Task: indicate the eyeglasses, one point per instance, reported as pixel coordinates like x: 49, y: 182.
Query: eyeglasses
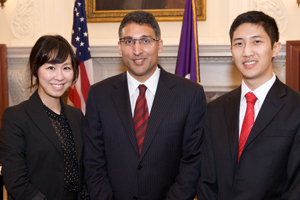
x: 145, y: 41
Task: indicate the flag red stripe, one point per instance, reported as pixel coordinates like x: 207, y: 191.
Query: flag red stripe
x: 74, y: 97
x: 85, y: 82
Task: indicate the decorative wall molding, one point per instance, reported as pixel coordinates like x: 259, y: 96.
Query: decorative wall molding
x: 274, y: 8
x: 217, y: 71
x: 17, y: 84
x: 23, y: 20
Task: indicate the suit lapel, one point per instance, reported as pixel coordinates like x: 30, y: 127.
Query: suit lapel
x: 164, y: 96
x: 39, y: 116
x: 76, y: 130
x: 271, y: 106
x: 231, y: 110
x: 122, y: 103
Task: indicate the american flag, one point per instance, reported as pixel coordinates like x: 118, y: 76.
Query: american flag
x: 78, y: 93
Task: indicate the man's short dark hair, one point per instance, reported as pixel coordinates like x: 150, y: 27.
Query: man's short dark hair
x: 258, y: 18
x: 141, y: 18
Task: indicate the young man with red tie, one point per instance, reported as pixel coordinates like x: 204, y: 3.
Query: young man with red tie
x: 252, y: 134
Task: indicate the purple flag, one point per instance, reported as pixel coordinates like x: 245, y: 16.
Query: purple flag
x: 187, y: 58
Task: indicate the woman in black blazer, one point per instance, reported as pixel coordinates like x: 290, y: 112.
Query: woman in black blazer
x: 40, y: 139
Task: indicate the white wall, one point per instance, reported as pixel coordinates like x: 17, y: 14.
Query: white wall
x: 55, y: 16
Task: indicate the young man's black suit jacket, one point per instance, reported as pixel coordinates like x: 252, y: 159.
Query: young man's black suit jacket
x: 169, y: 164
x: 31, y: 153
x: 269, y: 167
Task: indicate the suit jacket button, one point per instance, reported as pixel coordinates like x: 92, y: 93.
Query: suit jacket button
x: 139, y: 167
x: 135, y: 198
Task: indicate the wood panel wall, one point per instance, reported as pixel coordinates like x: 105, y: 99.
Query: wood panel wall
x: 292, y: 64
x: 3, y: 80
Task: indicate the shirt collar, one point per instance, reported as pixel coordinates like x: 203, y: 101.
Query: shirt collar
x: 150, y: 83
x: 260, y: 92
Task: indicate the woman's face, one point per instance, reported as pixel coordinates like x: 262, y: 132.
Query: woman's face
x: 54, y: 79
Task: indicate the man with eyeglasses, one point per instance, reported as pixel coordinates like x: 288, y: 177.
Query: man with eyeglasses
x: 143, y: 128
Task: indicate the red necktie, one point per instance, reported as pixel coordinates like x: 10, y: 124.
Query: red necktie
x: 248, y: 121
x: 141, y: 116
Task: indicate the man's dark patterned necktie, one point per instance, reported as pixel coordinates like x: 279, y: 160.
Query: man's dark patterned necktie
x: 141, y: 116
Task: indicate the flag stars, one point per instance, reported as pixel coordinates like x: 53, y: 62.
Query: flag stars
x: 79, y: 33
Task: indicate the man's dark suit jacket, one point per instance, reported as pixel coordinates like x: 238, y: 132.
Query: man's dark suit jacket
x: 269, y: 167
x: 31, y: 153
x: 169, y: 164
